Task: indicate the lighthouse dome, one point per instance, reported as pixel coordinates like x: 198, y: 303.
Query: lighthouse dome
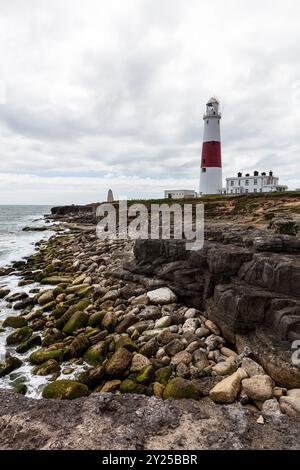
x: 213, y: 100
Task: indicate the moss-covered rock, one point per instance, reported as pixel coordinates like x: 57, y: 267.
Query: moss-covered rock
x: 54, y: 280
x: 84, y: 292
x: 46, y: 368
x: 126, y: 342
x: 42, y: 355
x: 118, y: 363
x: 65, y: 390
x: 77, y: 307
x: 10, y: 363
x: 145, y: 375
x: 92, y: 377
x: 181, y: 388
x: 130, y: 386
x: 19, y: 335
x: 49, y: 306
x: 15, y: 322
x: 96, y: 318
x: 52, y: 337
x: 163, y: 374
x: 77, y: 348
x: 96, y: 354
x: 34, y: 340
x: 78, y: 320
x: 109, y: 321
x: 20, y: 388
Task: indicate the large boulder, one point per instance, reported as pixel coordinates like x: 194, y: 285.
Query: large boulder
x: 65, y: 390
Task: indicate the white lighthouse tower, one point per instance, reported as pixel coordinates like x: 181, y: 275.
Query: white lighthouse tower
x: 211, y: 164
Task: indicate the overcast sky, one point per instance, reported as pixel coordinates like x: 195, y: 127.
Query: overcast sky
x: 110, y: 94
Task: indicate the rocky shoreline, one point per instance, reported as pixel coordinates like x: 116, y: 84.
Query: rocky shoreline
x: 92, y: 328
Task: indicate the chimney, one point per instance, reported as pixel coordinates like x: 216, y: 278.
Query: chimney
x: 247, y: 174
x: 263, y: 174
x: 240, y: 174
x: 256, y: 173
x: 270, y: 173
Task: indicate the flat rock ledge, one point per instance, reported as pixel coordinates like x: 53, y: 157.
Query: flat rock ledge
x: 136, y: 422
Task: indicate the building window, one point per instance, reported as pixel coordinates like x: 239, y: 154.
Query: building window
x: 247, y: 182
x: 203, y: 170
x: 255, y: 181
x: 231, y: 191
x: 246, y: 190
x: 231, y: 183
x: 239, y: 183
x: 255, y: 190
x: 260, y: 190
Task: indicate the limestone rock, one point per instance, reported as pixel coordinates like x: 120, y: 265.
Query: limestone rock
x: 227, y: 390
x: 161, y: 296
x: 258, y: 387
x: 290, y: 405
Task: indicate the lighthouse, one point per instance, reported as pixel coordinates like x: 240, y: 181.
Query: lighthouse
x: 211, y: 164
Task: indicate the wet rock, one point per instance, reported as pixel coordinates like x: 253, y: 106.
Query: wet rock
x: 42, y: 355
x: 65, y: 390
x: 161, y: 296
x: 46, y: 297
x: 181, y: 388
x: 10, y: 363
x: 4, y: 293
x: 96, y: 318
x: 163, y: 375
x: 18, y: 336
x: 46, y: 368
x: 77, y: 348
x: 92, y: 377
x: 258, y: 387
x: 15, y: 322
x: 118, y: 363
x: 78, y: 320
x: 17, y: 297
x: 96, y: 353
x: 28, y: 302
x: 20, y: 388
x: 34, y: 340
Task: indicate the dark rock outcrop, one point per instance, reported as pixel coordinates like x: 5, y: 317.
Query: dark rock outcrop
x: 245, y: 279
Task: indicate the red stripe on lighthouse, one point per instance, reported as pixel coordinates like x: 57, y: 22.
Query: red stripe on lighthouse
x: 211, y: 155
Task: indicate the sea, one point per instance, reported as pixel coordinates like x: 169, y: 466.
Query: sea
x: 15, y: 244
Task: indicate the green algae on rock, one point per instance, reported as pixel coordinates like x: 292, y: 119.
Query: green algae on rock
x: 42, y: 355
x: 18, y: 336
x: 65, y: 390
x: 181, y: 388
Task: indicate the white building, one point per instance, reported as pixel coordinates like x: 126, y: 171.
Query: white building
x: 179, y: 193
x: 256, y: 183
